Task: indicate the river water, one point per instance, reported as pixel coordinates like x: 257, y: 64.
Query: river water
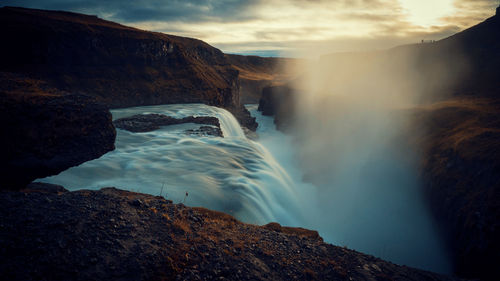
x: 231, y: 174
x: 256, y: 181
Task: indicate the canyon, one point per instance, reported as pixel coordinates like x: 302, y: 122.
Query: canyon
x: 61, y: 72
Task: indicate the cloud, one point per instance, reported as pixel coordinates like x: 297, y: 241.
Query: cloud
x: 278, y: 25
x: 150, y: 10
x: 468, y: 11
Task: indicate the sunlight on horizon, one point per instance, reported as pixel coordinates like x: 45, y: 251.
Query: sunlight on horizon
x: 284, y: 27
x: 427, y: 12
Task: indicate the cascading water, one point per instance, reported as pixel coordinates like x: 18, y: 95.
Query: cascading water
x: 241, y: 177
x: 231, y: 174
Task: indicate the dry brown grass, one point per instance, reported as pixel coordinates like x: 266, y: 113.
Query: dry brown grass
x: 216, y: 216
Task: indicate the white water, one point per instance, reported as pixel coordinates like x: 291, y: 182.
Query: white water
x: 230, y: 174
x: 241, y: 177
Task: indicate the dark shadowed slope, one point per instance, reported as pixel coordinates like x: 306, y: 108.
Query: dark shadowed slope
x: 461, y: 144
x: 460, y: 141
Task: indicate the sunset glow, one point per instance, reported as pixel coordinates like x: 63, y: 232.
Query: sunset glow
x: 427, y: 12
x: 285, y: 27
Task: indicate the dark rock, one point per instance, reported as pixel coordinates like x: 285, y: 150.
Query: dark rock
x: 206, y: 131
x: 279, y: 101
x: 44, y: 187
x: 462, y: 179
x: 164, y: 241
x: 244, y: 117
x: 120, y: 66
x: 151, y: 122
x: 44, y: 135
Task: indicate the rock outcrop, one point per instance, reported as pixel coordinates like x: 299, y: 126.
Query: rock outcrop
x: 256, y: 73
x: 44, y: 134
x: 205, y: 131
x: 118, y: 65
x: 151, y: 122
x: 48, y: 233
x: 281, y: 102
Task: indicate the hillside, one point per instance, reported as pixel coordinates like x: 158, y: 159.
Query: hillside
x: 460, y: 143
x: 120, y: 66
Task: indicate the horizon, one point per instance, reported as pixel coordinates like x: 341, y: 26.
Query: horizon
x: 255, y: 28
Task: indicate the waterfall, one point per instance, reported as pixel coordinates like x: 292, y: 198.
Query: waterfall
x: 257, y: 182
x: 231, y: 174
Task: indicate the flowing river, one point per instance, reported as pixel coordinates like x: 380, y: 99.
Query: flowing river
x: 231, y: 174
x: 256, y: 181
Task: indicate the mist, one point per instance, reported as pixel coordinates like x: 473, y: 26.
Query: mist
x: 352, y: 140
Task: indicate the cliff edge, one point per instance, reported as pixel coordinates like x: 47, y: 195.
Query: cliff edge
x: 49, y: 233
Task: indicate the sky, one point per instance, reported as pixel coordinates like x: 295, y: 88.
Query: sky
x: 288, y: 27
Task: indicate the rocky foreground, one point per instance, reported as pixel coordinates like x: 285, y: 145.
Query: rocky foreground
x: 48, y: 233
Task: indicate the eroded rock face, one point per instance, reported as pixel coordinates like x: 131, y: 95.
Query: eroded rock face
x: 43, y: 135
x: 48, y: 233
x: 281, y: 102
x: 244, y: 117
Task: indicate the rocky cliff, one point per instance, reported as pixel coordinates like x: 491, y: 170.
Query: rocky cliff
x: 49, y: 233
x: 256, y: 73
x: 280, y: 102
x: 458, y: 128
x: 118, y: 65
x: 45, y: 131
x: 460, y: 141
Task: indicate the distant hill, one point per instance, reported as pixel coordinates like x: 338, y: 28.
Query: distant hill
x: 120, y: 65
x: 257, y: 73
x: 466, y: 63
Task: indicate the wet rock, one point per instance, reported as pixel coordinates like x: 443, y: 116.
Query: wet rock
x: 151, y: 122
x: 280, y: 102
x: 244, y: 117
x: 204, y: 131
